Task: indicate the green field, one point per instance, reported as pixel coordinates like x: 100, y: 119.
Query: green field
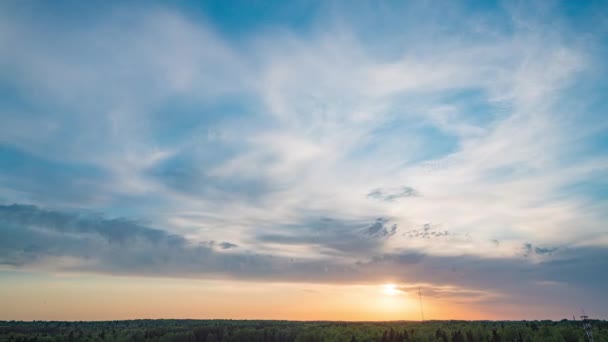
x: 284, y: 331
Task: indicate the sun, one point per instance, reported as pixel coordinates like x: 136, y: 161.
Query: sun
x: 390, y: 289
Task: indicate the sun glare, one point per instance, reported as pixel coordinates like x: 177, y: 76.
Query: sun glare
x: 390, y: 289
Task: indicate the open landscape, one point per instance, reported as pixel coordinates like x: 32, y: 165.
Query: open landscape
x: 293, y: 331
x: 304, y: 170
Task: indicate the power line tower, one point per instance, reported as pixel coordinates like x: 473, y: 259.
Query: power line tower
x: 420, y: 297
x: 587, y: 327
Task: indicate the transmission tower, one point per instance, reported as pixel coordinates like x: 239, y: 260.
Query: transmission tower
x: 420, y: 297
x: 587, y: 327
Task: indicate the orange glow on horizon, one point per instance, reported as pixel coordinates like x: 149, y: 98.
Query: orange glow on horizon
x: 93, y: 297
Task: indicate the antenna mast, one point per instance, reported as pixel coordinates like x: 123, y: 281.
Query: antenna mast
x: 420, y: 297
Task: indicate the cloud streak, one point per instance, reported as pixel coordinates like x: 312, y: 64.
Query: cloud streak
x: 33, y: 238
x: 392, y: 194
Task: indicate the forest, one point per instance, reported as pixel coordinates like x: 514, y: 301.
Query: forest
x: 295, y: 331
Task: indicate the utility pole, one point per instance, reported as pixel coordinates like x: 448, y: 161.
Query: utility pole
x: 420, y: 297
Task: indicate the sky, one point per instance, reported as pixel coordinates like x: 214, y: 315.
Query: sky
x: 306, y: 160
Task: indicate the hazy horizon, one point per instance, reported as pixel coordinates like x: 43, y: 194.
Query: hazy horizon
x: 303, y: 160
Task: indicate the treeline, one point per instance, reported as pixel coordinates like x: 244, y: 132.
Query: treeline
x: 290, y: 331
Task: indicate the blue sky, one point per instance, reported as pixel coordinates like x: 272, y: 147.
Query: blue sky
x: 460, y: 146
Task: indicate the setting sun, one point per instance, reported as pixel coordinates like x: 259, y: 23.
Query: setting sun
x: 390, y: 289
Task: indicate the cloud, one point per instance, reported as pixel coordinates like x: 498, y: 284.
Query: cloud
x: 85, y: 95
x: 113, y: 230
x: 48, y: 180
x: 427, y: 231
x: 441, y: 120
x: 31, y: 235
x: 391, y: 195
x: 380, y: 229
x: 227, y: 245
x: 452, y: 293
x: 394, y: 258
x: 334, y: 236
x: 540, y: 250
x: 530, y: 250
x: 50, y: 240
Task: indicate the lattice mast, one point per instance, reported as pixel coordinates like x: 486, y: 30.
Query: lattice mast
x: 587, y: 327
x: 420, y: 297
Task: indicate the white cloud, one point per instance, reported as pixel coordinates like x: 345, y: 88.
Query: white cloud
x: 330, y: 120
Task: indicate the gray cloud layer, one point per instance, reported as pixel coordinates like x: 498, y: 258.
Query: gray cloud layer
x: 31, y: 237
x: 335, y: 237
